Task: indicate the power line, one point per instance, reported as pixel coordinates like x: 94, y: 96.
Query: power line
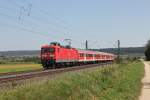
x: 23, y: 28
x: 55, y: 17
x: 10, y: 17
x: 49, y: 22
x: 26, y: 30
x: 40, y: 11
x: 39, y: 18
x: 52, y: 16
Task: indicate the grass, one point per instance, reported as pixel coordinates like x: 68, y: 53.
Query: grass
x: 4, y: 68
x: 117, y: 82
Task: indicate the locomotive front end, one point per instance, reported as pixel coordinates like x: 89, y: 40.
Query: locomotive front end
x: 48, y: 56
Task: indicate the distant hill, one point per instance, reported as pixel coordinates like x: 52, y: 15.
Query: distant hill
x: 129, y: 51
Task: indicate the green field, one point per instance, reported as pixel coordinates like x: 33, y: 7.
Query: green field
x: 116, y: 82
x: 4, y: 68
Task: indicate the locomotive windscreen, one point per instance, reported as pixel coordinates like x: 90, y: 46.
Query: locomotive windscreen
x: 48, y: 50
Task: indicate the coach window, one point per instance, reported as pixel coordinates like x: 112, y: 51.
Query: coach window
x: 89, y: 55
x: 81, y: 55
x: 86, y: 55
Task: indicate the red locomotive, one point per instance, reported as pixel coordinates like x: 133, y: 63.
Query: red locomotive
x: 55, y: 55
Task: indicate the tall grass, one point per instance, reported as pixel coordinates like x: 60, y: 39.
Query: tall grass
x: 117, y: 82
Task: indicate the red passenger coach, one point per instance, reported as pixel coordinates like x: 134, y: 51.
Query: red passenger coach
x: 54, y: 55
x: 94, y: 56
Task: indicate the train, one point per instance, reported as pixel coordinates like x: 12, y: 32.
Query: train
x: 55, y: 55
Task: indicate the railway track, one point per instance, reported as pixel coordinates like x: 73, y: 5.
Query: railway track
x: 11, y: 77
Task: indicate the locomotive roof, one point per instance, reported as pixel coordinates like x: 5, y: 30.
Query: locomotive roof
x: 59, y: 46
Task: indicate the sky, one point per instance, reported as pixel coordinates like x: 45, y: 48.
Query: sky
x: 29, y: 24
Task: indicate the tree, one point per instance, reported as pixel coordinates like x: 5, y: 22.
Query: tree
x: 147, y: 51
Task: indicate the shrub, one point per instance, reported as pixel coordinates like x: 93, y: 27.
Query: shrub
x: 147, y: 50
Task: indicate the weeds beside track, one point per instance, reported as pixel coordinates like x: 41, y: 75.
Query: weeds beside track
x: 117, y: 82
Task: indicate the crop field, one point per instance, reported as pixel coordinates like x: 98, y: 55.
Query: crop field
x: 115, y: 82
x: 4, y: 68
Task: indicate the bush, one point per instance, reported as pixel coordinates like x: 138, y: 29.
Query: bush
x: 18, y: 60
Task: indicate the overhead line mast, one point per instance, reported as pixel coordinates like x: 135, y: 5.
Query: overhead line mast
x: 86, y: 45
x: 118, y: 50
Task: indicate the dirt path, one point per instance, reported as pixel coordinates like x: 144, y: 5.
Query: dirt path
x: 145, y: 95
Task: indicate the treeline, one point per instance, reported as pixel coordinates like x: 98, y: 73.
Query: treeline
x: 20, y: 53
x: 128, y: 50
x: 16, y: 60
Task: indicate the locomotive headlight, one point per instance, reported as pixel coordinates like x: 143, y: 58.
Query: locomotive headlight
x: 43, y: 56
x: 51, y: 55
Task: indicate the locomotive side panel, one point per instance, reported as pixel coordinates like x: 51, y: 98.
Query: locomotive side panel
x: 67, y: 55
